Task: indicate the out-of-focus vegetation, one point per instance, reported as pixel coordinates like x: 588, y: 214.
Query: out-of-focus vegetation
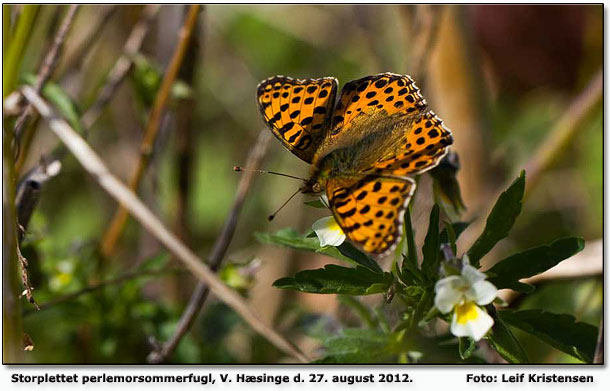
x: 500, y: 77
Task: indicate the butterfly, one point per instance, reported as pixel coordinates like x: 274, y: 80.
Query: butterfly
x: 364, y: 147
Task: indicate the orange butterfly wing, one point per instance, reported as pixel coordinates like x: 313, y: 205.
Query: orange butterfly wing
x: 425, y: 143
x: 425, y: 140
x: 370, y: 210
x: 298, y: 112
x: 385, y: 93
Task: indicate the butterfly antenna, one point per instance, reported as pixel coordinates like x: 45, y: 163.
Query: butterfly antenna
x: 238, y: 168
x: 272, y: 216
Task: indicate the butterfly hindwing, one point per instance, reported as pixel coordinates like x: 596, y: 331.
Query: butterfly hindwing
x: 370, y: 210
x: 424, y: 144
x: 298, y: 111
x: 385, y: 93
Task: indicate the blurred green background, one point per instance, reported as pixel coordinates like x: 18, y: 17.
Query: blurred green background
x: 501, y: 77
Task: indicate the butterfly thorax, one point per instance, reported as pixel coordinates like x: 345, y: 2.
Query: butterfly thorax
x: 351, y: 153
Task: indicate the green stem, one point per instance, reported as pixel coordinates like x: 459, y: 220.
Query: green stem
x: 6, y: 26
x: 16, y: 47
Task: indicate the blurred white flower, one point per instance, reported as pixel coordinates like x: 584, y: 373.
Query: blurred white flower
x: 464, y: 294
x: 328, y: 231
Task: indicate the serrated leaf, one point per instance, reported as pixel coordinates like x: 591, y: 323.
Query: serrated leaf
x: 346, y: 252
x: 500, y: 220
x: 338, y: 280
x: 561, y: 331
x: 431, y: 247
x: 504, y: 341
x: 508, y: 272
x: 60, y: 99
x: 410, y: 262
x: 357, y: 346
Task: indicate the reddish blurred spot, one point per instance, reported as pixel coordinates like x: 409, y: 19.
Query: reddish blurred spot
x: 531, y: 45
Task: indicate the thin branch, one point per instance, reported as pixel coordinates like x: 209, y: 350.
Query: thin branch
x: 92, y: 163
x: 48, y: 66
x: 152, y: 127
x: 565, y: 129
x: 121, y: 68
x: 78, y: 56
x: 559, y: 138
x: 201, y: 292
x: 25, y: 278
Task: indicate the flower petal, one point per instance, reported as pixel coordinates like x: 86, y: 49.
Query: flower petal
x: 469, y: 320
x: 482, y: 292
x: 472, y: 275
x: 448, y: 293
x: 328, y: 231
x: 324, y: 200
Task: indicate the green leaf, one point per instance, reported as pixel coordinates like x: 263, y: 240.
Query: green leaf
x: 337, y: 279
x: 431, y: 248
x: 500, y: 220
x: 60, y: 99
x: 508, y: 272
x: 315, y: 203
x: 357, y: 346
x: 504, y: 341
x: 288, y: 237
x: 349, y: 250
x: 561, y: 331
x: 410, y: 262
x: 466, y: 347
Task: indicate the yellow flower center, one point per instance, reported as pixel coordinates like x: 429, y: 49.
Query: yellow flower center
x: 333, y: 226
x: 466, y: 312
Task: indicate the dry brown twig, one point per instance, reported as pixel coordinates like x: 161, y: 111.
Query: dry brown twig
x: 92, y: 163
x: 223, y: 240
x: 76, y: 59
x: 152, y: 127
x: 30, y: 187
x: 25, y: 279
x: 564, y: 130
x: 48, y: 66
x: 121, y: 68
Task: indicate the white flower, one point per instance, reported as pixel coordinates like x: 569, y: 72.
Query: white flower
x: 328, y: 231
x: 463, y: 295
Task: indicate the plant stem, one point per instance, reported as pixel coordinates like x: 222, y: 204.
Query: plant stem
x: 152, y: 127
x: 92, y: 163
x: 16, y: 47
x: 221, y: 245
x: 122, y: 66
x: 47, y: 67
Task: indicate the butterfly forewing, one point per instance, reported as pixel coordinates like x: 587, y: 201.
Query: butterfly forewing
x: 298, y: 111
x: 386, y: 93
x: 370, y: 210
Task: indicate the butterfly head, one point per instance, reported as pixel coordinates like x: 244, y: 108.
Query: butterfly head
x: 312, y: 187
